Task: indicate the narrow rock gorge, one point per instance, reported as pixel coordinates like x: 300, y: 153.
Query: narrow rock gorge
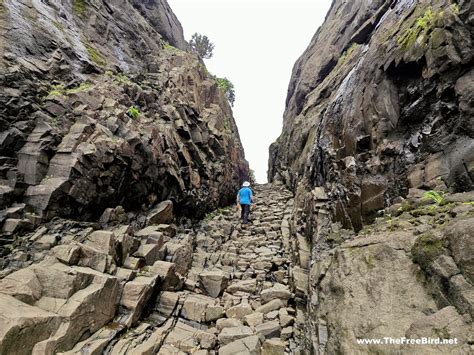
x: 120, y: 161
x: 378, y: 148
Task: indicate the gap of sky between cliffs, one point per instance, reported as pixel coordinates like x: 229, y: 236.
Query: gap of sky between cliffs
x: 256, y: 44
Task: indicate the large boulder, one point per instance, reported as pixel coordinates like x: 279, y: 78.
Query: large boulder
x: 22, y: 326
x: 135, y: 296
x: 161, y: 214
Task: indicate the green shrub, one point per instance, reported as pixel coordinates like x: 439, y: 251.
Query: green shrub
x: 133, y: 112
x: 57, y: 90
x: 201, y: 45
x: 436, y: 197
x: 226, y: 85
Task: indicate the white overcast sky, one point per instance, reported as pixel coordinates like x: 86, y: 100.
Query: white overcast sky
x: 256, y: 44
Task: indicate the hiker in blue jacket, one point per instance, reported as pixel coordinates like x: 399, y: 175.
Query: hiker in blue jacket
x: 244, y: 199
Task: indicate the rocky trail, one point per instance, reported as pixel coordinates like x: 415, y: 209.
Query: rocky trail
x: 116, y: 142
x: 220, y: 287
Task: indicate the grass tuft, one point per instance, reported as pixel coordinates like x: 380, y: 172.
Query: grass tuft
x: 133, y: 112
x: 436, y: 197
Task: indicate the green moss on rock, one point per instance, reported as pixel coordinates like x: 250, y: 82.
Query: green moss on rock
x: 94, y: 54
x: 58, y: 90
x: 79, y: 7
x: 426, y: 249
x: 424, y: 26
x: 348, y: 54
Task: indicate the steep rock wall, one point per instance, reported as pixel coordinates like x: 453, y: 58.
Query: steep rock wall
x: 379, y: 111
x: 381, y: 101
x: 101, y: 105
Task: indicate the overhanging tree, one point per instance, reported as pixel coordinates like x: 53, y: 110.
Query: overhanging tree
x: 201, y: 45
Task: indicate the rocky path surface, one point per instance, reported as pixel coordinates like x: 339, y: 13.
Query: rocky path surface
x: 219, y: 288
x: 236, y: 297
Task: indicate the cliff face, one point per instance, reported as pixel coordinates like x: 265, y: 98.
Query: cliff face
x: 379, y: 112
x: 101, y: 105
x: 381, y: 101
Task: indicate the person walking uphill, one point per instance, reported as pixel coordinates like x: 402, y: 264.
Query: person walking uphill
x: 245, y: 199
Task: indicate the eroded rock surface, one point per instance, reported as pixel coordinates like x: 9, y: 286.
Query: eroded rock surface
x: 103, y: 112
x: 378, y: 114
x: 380, y: 102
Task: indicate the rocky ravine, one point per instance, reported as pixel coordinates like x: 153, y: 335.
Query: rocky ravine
x: 215, y: 288
x: 379, y: 112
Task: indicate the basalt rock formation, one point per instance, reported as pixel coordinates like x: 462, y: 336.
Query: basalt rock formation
x: 379, y: 117
x: 381, y: 101
x: 102, y: 106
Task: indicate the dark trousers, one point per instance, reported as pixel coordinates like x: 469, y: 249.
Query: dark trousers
x: 244, y: 213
